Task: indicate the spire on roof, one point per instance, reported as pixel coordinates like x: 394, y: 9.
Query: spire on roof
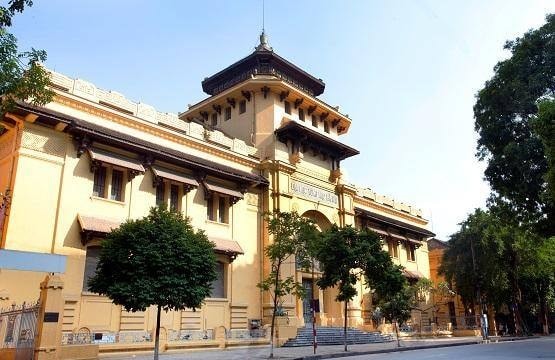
x: 264, y: 46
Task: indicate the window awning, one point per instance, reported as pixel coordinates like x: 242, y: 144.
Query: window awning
x: 95, y: 226
x: 174, y: 176
x: 414, y: 241
x: 223, y: 190
x: 228, y: 247
x: 379, y: 231
x: 394, y: 223
x: 398, y: 237
x: 409, y: 274
x: 115, y: 159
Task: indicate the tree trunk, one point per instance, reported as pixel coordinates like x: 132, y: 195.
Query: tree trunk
x: 272, y: 330
x: 157, y: 336
x: 276, y: 301
x: 544, y: 310
x: 397, y: 333
x: 345, y: 327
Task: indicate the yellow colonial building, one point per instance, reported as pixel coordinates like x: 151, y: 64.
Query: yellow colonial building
x: 261, y: 141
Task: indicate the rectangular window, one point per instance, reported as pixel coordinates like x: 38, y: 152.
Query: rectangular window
x: 392, y: 249
x: 117, y: 185
x: 210, y: 209
x: 228, y: 113
x: 215, y: 119
x: 99, y: 185
x: 410, y: 253
x: 301, y: 114
x: 160, y: 193
x: 326, y: 127
x: 218, y: 285
x: 91, y: 260
x: 242, y: 106
x: 222, y: 207
x: 174, y: 197
x: 314, y: 121
x: 287, y: 105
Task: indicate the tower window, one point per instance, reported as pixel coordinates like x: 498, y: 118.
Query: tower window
x: 242, y: 106
x: 301, y: 114
x: 214, y: 119
x: 326, y: 127
x: 228, y: 113
x: 314, y: 121
x: 287, y: 105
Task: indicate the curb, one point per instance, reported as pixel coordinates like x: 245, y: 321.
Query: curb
x: 402, y: 349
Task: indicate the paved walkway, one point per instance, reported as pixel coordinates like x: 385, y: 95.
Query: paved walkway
x: 331, y: 351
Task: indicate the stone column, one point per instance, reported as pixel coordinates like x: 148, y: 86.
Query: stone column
x: 49, y: 336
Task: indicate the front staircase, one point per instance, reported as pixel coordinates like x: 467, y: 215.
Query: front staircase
x: 334, y: 336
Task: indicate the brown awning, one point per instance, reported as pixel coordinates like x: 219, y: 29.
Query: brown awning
x: 174, y: 176
x: 387, y: 221
x: 223, y: 190
x: 380, y: 231
x: 227, y: 246
x: 115, y: 159
x: 97, y: 225
x: 413, y: 274
x: 414, y: 241
x: 398, y: 237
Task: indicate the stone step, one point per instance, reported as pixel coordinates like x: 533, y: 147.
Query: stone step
x: 334, y: 336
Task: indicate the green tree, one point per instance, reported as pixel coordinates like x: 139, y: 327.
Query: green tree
x: 492, y: 260
x: 348, y: 255
x: 290, y: 235
x: 21, y: 75
x: 157, y: 260
x: 544, y: 126
x: 397, y: 308
x: 505, y: 111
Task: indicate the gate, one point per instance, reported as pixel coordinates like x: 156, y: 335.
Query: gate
x: 18, y: 330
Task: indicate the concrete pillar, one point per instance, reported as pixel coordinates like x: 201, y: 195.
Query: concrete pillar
x: 49, y: 336
x: 219, y: 335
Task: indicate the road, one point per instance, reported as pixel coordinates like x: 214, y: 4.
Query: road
x: 543, y: 348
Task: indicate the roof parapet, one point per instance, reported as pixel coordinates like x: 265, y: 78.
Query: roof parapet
x: 368, y: 193
x: 118, y: 102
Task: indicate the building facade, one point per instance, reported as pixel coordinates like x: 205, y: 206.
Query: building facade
x: 261, y: 141
x: 449, y: 311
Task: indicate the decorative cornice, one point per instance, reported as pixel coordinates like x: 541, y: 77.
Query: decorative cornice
x: 388, y: 210
x: 154, y: 130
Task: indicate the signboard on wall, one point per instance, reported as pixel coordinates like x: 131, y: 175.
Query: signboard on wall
x: 314, y: 193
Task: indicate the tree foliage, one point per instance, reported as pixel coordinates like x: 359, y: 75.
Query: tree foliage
x: 21, y: 75
x: 505, y: 111
x: 292, y: 236
x: 511, y: 266
x: 347, y: 256
x: 157, y: 260
x: 544, y: 126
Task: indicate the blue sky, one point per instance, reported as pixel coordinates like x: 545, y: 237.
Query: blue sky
x: 406, y: 72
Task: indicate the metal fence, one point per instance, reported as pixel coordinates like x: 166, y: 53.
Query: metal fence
x: 18, y: 329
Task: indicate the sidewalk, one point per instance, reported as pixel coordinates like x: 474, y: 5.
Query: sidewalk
x: 323, y: 352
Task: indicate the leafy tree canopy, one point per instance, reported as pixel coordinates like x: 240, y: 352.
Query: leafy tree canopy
x: 508, y: 263
x: 21, y: 75
x: 157, y: 260
x: 505, y: 110
x: 292, y: 237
